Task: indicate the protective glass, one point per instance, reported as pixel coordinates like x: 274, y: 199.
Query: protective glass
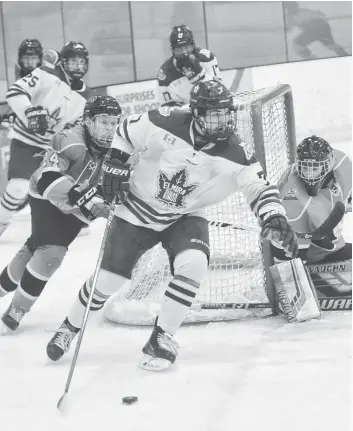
x: 102, y: 128
x: 30, y: 61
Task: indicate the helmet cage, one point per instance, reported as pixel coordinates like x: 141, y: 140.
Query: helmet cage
x: 75, y: 67
x: 29, y: 61
x: 101, y: 128
x: 30, y: 54
x: 181, y: 41
x: 215, y: 123
x: 312, y: 171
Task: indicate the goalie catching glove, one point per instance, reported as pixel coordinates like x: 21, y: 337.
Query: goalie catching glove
x: 276, y: 227
x: 37, y: 120
x: 190, y: 67
x: 116, y: 176
x: 86, y: 198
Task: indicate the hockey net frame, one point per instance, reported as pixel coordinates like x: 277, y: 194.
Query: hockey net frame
x: 239, y: 262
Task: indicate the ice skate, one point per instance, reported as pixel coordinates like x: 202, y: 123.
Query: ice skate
x: 11, y: 319
x: 160, y: 351
x: 61, y: 341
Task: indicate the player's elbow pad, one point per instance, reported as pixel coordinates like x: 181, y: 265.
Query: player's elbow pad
x: 46, y: 180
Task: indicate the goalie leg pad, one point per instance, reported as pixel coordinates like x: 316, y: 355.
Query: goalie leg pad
x: 295, y: 291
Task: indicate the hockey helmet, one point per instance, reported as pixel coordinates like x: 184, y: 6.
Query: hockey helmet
x: 315, y: 161
x: 181, y: 41
x: 74, y: 59
x: 101, y: 115
x: 213, y: 109
x: 30, y: 55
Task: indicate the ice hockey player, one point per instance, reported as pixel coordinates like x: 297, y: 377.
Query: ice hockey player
x: 30, y: 56
x: 44, y: 101
x: 187, y: 161
x: 63, y: 197
x: 319, y: 178
x: 187, y: 66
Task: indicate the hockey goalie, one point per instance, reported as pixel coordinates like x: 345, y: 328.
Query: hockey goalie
x: 317, y: 187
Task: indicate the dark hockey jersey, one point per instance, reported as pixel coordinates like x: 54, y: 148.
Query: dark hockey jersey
x: 68, y: 162
x: 174, y: 86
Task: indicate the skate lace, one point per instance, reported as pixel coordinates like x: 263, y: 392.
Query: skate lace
x: 16, y: 313
x: 64, y: 338
x: 166, y: 342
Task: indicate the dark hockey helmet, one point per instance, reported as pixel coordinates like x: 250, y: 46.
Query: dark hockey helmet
x: 213, y: 109
x: 30, y: 55
x: 315, y: 161
x: 74, y: 59
x: 101, y: 116
x: 181, y: 41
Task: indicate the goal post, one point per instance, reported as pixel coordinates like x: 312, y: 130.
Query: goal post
x: 239, y: 260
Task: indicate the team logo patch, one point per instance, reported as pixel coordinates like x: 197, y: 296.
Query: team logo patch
x: 161, y: 75
x: 53, y: 118
x: 172, y: 191
x: 291, y: 195
x: 248, y: 150
x: 169, y: 139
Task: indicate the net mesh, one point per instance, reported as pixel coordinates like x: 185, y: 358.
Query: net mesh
x: 236, y: 272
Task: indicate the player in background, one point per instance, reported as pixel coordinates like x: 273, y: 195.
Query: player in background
x: 314, y: 27
x: 63, y: 197
x: 187, y: 66
x: 44, y: 102
x: 319, y: 178
x: 186, y: 161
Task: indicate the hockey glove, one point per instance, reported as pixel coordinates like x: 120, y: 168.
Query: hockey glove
x: 37, y: 120
x: 116, y: 175
x: 87, y: 200
x: 276, y: 227
x: 190, y: 67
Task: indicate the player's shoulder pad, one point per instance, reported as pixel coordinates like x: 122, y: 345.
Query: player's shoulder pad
x: 168, y: 73
x: 48, y: 70
x: 203, y: 55
x: 234, y: 149
x: 70, y: 143
x: 173, y: 120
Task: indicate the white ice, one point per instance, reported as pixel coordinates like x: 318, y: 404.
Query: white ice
x: 244, y: 375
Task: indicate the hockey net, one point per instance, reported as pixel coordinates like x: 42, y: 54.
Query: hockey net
x: 238, y: 269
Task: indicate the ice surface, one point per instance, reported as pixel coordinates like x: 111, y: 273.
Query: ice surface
x: 249, y: 375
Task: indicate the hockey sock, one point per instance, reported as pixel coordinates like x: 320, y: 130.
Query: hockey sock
x: 15, y: 192
x: 29, y: 289
x: 176, y: 302
x: 77, y: 311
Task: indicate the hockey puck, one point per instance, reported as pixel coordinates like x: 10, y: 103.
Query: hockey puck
x: 130, y: 400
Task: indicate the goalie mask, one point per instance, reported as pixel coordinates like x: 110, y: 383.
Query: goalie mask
x: 101, y: 117
x: 74, y: 59
x: 30, y: 55
x: 315, y: 162
x: 213, y: 110
x: 181, y: 41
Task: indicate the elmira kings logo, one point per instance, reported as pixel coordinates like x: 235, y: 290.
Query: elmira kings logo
x: 172, y: 190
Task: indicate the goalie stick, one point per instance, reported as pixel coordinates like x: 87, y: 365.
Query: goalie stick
x: 88, y: 305
x: 329, y: 224
x: 332, y: 303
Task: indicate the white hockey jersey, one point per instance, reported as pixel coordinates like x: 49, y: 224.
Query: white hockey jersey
x: 174, y: 86
x: 46, y: 87
x: 171, y: 178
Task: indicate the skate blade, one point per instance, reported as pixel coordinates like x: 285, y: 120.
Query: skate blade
x: 150, y: 363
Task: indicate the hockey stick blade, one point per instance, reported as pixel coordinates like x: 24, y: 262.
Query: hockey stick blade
x: 332, y: 303
x: 62, y: 402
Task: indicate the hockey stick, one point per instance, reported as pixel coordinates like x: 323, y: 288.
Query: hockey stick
x: 329, y: 224
x: 331, y: 303
x: 88, y: 305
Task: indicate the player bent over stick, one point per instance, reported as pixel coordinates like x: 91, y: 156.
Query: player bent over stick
x: 64, y: 197
x: 186, y: 162
x: 320, y: 177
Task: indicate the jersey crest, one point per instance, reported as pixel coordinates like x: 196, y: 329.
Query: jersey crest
x: 53, y: 118
x: 172, y: 190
